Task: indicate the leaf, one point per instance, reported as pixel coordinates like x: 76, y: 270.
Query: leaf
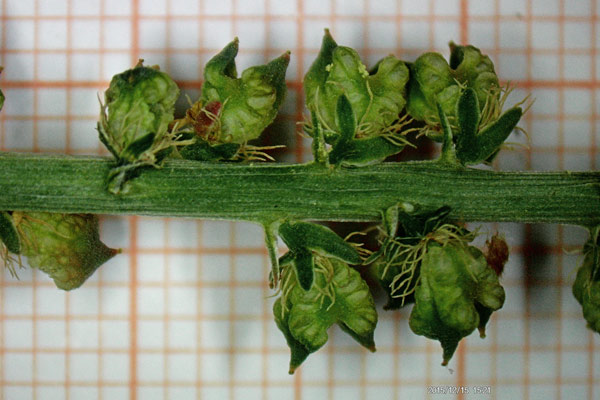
x: 305, y: 265
x: 139, y: 146
x: 361, y: 152
x: 201, y: 150
x: 492, y: 137
x: 8, y: 233
x: 139, y: 102
x: 318, y: 238
x: 448, y: 146
x: 468, y: 120
x: 345, y: 119
x: 388, y: 85
x: 476, y: 70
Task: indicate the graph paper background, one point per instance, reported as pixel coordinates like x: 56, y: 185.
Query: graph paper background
x: 184, y: 312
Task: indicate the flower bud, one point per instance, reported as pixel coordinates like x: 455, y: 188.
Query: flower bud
x: 338, y: 296
x: 65, y: 246
x: 249, y: 103
x: 139, y: 106
x: 376, y: 97
x: 586, y: 287
x: 457, y: 290
x: 433, y: 81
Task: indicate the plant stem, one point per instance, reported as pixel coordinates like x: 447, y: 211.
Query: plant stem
x: 265, y: 192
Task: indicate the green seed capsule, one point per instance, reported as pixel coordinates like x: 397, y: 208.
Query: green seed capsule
x: 374, y: 101
x: 65, y: 246
x: 586, y: 287
x: 434, y: 82
x: 249, y: 103
x: 376, y: 98
x: 338, y: 296
x: 139, y: 106
x: 456, y: 294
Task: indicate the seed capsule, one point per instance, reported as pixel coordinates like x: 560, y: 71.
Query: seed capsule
x: 247, y: 104
x: 374, y: 102
x: 65, y: 246
x: 338, y: 296
x: 586, y: 287
x: 139, y: 106
x: 434, y: 82
x: 456, y: 294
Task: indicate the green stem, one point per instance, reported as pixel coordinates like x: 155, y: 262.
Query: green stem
x: 265, y: 192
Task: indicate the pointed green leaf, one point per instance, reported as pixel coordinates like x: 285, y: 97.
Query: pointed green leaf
x: 361, y: 152
x: 138, y: 103
x: 309, y: 320
x: 345, y: 119
x: 8, y: 233
x: 304, y: 235
x: 356, y: 305
x: 139, y: 146
x: 448, y: 153
x: 388, y: 85
x: 468, y: 119
x: 304, y: 264
x: 376, y: 99
x: 492, y: 137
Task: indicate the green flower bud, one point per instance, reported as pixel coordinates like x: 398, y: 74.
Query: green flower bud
x: 139, y: 106
x: 433, y: 81
x: 473, y: 68
x: 457, y: 290
x: 249, y: 103
x: 586, y: 287
x: 397, y: 262
x: 376, y: 98
x: 338, y: 296
x: 65, y: 246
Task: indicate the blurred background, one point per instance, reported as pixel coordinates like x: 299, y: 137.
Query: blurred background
x: 185, y: 311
